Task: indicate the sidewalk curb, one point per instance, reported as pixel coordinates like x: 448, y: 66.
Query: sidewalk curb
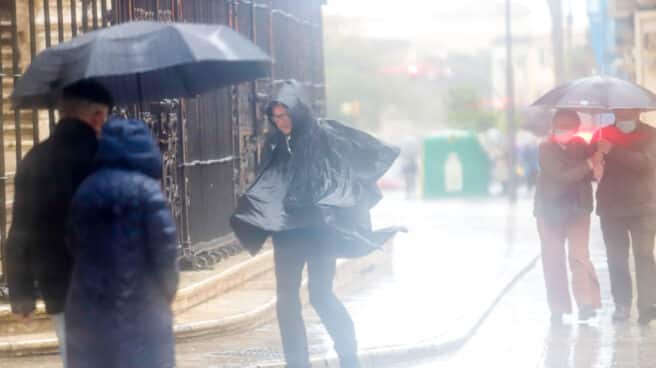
x: 376, y: 356
x: 194, y: 294
x: 231, y: 324
x: 185, y: 299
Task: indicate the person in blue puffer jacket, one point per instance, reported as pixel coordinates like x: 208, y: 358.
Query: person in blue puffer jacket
x: 123, y: 242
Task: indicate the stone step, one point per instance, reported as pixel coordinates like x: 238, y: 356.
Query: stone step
x: 245, y: 305
x: 196, y: 288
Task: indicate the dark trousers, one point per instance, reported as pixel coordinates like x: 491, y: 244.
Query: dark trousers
x: 292, y: 250
x: 637, y: 232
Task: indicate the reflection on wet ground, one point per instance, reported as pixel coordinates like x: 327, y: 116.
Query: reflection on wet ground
x: 454, y: 248
x: 519, y: 334
x: 453, y: 251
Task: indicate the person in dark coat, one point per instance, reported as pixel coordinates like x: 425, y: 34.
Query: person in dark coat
x: 409, y: 169
x: 563, y: 203
x: 124, y: 246
x: 38, y: 262
x: 313, y: 198
x: 529, y: 159
x: 626, y: 205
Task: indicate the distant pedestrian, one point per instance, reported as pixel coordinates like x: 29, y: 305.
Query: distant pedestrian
x: 528, y: 155
x: 124, y: 246
x: 409, y: 168
x: 563, y: 203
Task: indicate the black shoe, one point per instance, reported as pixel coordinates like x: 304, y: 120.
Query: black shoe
x: 556, y: 318
x: 647, y: 315
x: 622, y: 313
x: 587, y: 312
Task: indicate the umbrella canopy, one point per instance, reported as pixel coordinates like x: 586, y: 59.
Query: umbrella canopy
x: 144, y: 61
x: 598, y: 93
x: 540, y: 120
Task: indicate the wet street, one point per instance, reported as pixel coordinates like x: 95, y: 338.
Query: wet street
x: 518, y: 332
x: 437, y: 280
x: 413, y: 307
x: 438, y: 284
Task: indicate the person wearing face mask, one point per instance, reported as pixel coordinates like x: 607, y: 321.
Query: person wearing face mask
x: 626, y: 204
x: 563, y: 203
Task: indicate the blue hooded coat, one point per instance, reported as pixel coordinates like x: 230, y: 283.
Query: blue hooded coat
x: 124, y: 247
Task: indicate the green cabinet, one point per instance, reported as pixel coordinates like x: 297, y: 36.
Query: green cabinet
x: 455, y: 165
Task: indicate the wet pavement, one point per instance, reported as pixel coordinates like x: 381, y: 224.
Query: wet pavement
x: 518, y: 333
x: 440, y: 277
x: 453, y: 249
x: 437, y: 280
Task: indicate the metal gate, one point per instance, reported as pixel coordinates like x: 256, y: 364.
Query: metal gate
x: 211, y: 144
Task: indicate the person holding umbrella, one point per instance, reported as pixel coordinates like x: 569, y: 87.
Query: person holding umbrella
x: 38, y: 260
x: 563, y: 203
x: 122, y: 64
x: 626, y: 204
x: 626, y: 195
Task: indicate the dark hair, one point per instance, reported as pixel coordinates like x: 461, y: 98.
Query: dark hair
x: 89, y: 90
x: 566, y: 119
x: 271, y: 105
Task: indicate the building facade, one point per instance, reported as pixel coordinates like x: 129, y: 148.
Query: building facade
x: 211, y: 144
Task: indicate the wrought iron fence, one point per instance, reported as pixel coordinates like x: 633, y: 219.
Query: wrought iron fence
x: 211, y: 144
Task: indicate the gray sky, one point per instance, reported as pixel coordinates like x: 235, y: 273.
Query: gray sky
x: 452, y: 23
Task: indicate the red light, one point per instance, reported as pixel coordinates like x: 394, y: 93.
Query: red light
x: 587, y: 136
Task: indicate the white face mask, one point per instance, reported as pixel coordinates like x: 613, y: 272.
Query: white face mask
x: 627, y: 126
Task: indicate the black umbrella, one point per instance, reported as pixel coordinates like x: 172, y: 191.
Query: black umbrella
x: 598, y: 93
x: 144, y: 61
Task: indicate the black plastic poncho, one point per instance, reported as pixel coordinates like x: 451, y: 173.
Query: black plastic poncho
x: 322, y: 177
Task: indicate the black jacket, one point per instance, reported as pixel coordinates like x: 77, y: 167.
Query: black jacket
x: 628, y: 187
x: 45, y: 183
x: 322, y: 177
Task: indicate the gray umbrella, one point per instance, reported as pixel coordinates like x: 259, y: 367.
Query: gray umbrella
x: 144, y: 61
x: 598, y: 93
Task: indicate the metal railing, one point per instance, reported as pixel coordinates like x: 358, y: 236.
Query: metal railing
x: 211, y: 144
